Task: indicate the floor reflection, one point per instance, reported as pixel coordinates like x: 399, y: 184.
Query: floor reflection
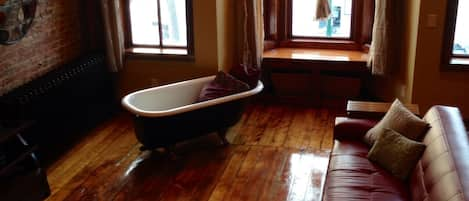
x: 227, y: 173
x: 282, y: 155
x: 307, y: 171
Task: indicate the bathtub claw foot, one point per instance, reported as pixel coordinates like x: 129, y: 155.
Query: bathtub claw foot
x: 222, y: 135
x: 171, y: 152
x: 143, y: 148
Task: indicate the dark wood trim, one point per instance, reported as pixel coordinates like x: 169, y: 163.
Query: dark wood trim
x: 127, y: 24
x: 130, y: 54
x: 366, y: 47
x: 283, y: 21
x: 448, y: 40
x: 460, y: 56
x: 270, y: 44
x: 190, y: 34
x: 367, y: 20
x: 153, y: 46
x: 160, y: 29
x: 190, y: 27
x: 321, y: 38
x: 271, y: 17
x: 289, y: 19
x: 321, y: 44
x: 356, y: 26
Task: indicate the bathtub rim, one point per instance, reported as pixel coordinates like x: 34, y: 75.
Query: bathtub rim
x: 186, y: 108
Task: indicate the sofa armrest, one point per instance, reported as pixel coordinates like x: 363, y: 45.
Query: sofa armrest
x: 354, y: 129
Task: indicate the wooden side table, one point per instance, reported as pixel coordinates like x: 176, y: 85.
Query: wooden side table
x: 365, y: 109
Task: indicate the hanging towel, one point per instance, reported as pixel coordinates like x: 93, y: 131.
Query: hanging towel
x: 323, y: 10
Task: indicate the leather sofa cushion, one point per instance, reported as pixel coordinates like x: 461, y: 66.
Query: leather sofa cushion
x: 442, y: 172
x: 351, y: 176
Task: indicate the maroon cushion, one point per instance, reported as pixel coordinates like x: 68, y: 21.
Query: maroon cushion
x: 351, y: 176
x: 248, y: 74
x: 223, y: 85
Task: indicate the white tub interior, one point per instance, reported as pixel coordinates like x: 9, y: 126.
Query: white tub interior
x: 176, y: 98
x: 168, y: 96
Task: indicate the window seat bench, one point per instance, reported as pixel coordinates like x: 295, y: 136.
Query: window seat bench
x: 317, y: 75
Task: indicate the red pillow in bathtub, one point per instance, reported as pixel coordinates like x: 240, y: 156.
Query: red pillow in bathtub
x: 248, y: 74
x: 223, y: 85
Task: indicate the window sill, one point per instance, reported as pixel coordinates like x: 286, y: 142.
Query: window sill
x: 460, y: 61
x: 159, y: 53
x: 333, y: 44
x: 457, y: 64
x: 316, y: 55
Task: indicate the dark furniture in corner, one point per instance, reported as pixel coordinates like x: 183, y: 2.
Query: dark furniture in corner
x: 21, y: 175
x: 64, y: 102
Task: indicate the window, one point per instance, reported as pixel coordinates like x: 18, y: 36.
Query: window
x: 461, y: 39
x: 456, y: 42
x: 337, y: 26
x: 291, y: 23
x: 159, y: 27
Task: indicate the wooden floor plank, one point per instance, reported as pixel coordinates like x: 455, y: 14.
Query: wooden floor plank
x: 225, y: 182
x: 70, y: 173
x: 103, y: 171
x: 278, y: 152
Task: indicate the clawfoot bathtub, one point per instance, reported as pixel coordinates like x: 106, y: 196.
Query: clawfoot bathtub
x: 168, y: 114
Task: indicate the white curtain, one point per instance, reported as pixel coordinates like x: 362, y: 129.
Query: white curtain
x: 112, y: 15
x: 251, y: 32
x: 241, y: 31
x: 385, y: 46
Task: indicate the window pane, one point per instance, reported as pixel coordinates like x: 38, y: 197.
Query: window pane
x: 337, y: 26
x: 173, y: 18
x: 461, y: 36
x: 144, y: 22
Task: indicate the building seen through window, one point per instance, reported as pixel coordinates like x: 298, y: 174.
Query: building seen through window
x: 337, y: 26
x: 461, y: 35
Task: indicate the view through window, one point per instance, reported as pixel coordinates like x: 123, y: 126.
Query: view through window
x: 160, y: 23
x: 337, y: 26
x: 461, y: 34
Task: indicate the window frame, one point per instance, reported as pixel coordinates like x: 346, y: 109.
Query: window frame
x: 278, y: 30
x: 130, y: 46
x: 448, y: 40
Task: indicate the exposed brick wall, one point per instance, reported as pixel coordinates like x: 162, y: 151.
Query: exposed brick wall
x: 55, y: 38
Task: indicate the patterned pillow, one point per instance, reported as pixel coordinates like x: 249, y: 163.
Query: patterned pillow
x: 400, y: 119
x: 396, y: 153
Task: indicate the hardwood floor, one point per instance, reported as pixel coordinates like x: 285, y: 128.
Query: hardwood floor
x: 277, y: 152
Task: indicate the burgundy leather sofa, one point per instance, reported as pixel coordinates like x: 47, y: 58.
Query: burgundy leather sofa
x: 441, y: 174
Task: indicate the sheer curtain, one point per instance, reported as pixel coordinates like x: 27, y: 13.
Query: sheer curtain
x: 387, y: 34
x: 242, y: 41
x: 112, y: 15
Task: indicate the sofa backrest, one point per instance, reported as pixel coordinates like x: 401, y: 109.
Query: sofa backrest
x: 442, y: 173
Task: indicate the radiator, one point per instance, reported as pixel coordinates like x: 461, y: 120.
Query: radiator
x: 64, y: 101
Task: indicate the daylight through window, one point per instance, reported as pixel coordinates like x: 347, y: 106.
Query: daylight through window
x: 337, y: 26
x: 461, y: 34
x: 158, y: 23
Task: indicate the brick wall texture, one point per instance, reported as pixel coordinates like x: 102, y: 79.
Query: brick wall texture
x: 55, y: 38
